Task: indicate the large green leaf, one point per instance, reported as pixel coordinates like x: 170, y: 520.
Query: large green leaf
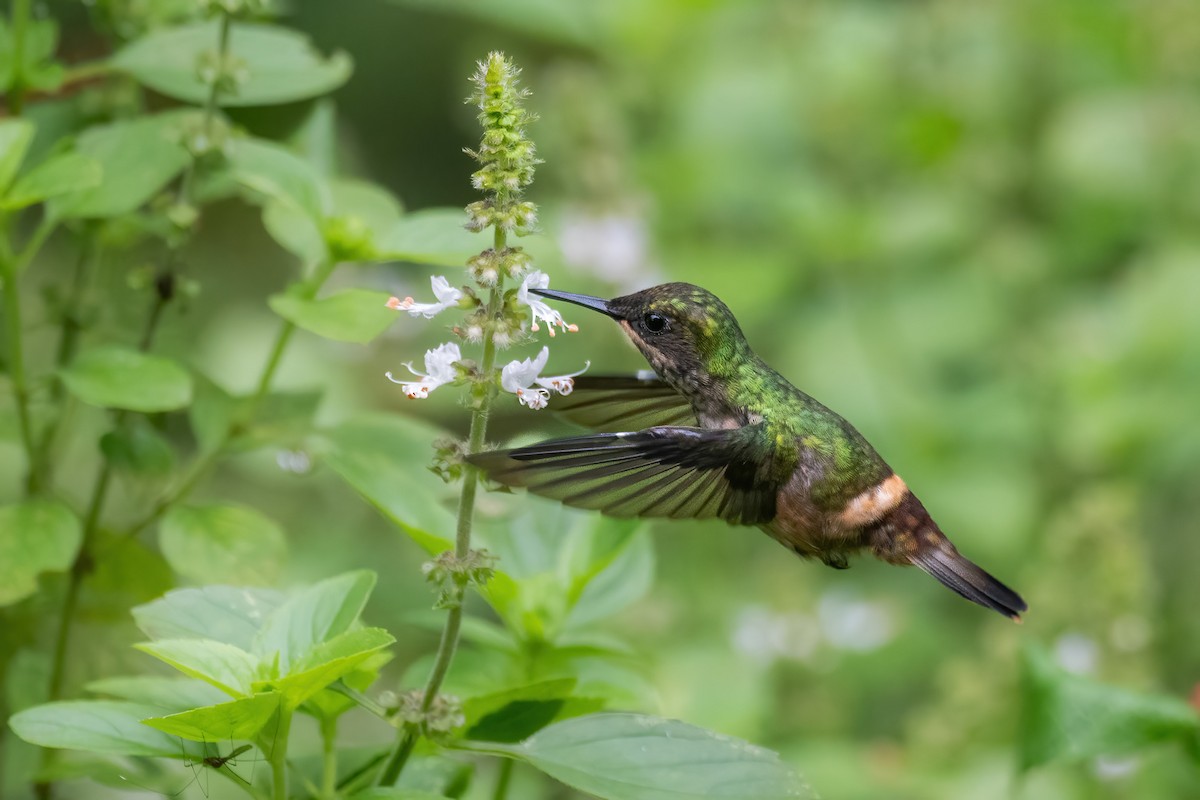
x: 514, y: 714
x: 637, y: 757
x: 117, y: 377
x: 233, y: 543
x: 15, y: 136
x: 1066, y: 717
x: 315, y: 615
x: 352, y: 315
x: 274, y: 171
x: 393, y: 793
x: 281, y: 65
x: 102, y: 726
x: 138, y: 449
x: 62, y: 174
x: 431, y: 236
x: 233, y: 615
x: 137, y: 158
x: 384, y: 458
x: 329, y: 661
x: 35, y: 536
x: 166, y: 694
x: 229, y: 668
x: 238, y: 719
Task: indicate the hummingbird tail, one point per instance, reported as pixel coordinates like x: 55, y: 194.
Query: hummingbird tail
x: 962, y: 576
x: 908, y: 535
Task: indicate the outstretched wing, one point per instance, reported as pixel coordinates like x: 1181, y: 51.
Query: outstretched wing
x: 624, y: 404
x: 676, y: 472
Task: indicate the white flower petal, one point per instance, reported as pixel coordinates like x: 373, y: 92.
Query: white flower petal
x: 517, y: 375
x: 446, y: 295
x: 538, y: 307
x: 439, y: 363
x: 563, y: 384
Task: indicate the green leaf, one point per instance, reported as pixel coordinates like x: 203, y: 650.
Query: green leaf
x: 225, y: 614
x: 211, y: 413
x: 392, y: 793
x: 102, y: 726
x: 229, y: 668
x: 15, y: 136
x: 35, y: 536
x: 384, y: 458
x: 314, y: 615
x: 624, y: 577
x: 352, y: 315
x: 137, y: 157
x: 236, y: 543
x: 294, y: 230
x: 329, y: 661
x: 637, y: 757
x: 279, y: 174
x: 1065, y: 717
x: 117, y: 377
x: 62, y: 174
x: 514, y: 714
x: 431, y: 236
x: 138, y: 449
x: 166, y: 694
x: 243, y: 718
x: 376, y: 207
x: 280, y: 65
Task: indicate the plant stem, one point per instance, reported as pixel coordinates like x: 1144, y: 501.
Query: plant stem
x: 20, y: 24
x: 448, y: 644
x: 278, y: 755
x: 503, y: 779
x: 330, y: 761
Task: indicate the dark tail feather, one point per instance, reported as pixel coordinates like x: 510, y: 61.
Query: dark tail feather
x: 949, y: 566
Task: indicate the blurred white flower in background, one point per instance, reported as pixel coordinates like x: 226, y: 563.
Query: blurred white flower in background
x: 851, y: 623
x: 614, y: 246
x: 1077, y: 653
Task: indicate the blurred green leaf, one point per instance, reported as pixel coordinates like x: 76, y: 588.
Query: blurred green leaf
x: 393, y: 793
x: 225, y: 614
x: 614, y: 580
x: 169, y: 694
x: 211, y: 413
x: 567, y: 22
x: 637, y: 757
x: 37, y: 70
x: 233, y: 543
x: 315, y: 615
x: 35, y: 536
x: 103, y: 726
x: 384, y: 458
x: 243, y: 718
x: 294, y: 230
x: 137, y: 159
x: 229, y: 668
x: 280, y: 65
x: 15, y: 136
x: 351, y: 315
x: 1065, y: 717
x: 138, y: 449
x: 279, y: 174
x: 62, y: 174
x: 117, y: 377
x: 431, y: 236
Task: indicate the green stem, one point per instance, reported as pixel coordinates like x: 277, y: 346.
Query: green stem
x: 16, y: 360
x: 20, y: 25
x: 480, y: 411
x: 329, y: 760
x: 278, y: 756
x: 503, y: 779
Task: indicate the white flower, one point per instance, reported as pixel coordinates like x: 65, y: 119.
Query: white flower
x: 446, y: 295
x: 522, y: 378
x: 439, y: 364
x: 540, y: 280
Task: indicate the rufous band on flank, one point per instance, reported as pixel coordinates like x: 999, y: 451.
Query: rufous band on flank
x: 874, y: 502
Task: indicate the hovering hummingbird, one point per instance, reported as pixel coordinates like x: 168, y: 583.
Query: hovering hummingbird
x: 716, y: 432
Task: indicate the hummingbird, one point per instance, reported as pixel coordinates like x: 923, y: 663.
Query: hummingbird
x: 716, y: 432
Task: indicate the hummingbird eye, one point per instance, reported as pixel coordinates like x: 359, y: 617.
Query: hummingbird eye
x: 656, y: 323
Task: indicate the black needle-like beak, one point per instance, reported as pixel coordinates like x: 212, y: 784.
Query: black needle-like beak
x: 587, y: 301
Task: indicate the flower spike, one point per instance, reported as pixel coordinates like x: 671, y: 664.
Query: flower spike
x: 439, y: 364
x: 446, y: 295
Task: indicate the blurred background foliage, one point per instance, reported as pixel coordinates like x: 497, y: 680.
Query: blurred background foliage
x: 971, y: 228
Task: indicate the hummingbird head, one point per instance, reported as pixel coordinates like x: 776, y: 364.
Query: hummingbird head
x: 680, y: 328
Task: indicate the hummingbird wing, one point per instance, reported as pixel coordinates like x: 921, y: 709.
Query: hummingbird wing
x: 624, y: 403
x: 676, y: 472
